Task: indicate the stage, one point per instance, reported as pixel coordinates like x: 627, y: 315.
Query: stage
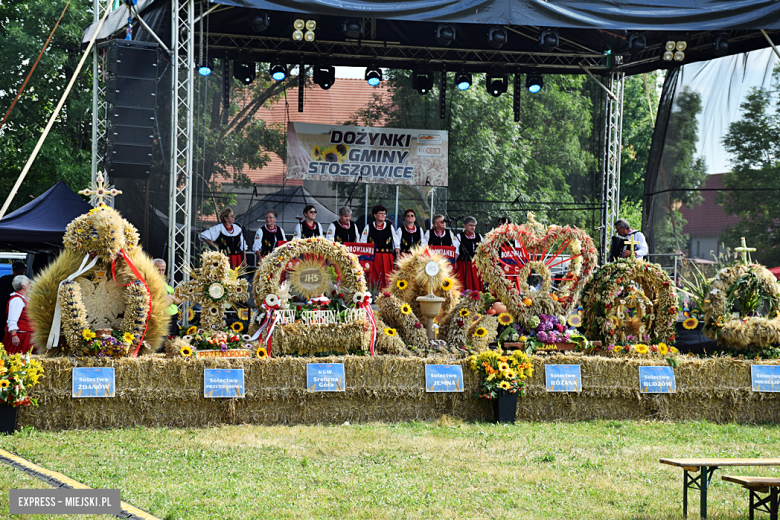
x: 156, y: 392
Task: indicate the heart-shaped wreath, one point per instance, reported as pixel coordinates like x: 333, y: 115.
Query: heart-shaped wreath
x: 539, y: 250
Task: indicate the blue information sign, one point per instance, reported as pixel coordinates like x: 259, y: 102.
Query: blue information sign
x: 563, y: 378
x: 93, y: 382
x: 325, y: 377
x: 443, y: 378
x: 657, y: 380
x: 223, y: 382
x: 765, y: 378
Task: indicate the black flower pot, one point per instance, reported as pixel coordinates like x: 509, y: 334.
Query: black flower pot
x: 7, y: 419
x: 505, y: 407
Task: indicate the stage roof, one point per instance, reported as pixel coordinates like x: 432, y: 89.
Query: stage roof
x: 402, y: 34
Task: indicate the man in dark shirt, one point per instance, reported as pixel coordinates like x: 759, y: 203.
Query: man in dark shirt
x: 18, y: 268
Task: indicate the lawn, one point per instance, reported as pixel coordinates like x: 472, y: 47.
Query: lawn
x: 448, y: 469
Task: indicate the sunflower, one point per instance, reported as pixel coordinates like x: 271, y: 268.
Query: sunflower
x: 237, y: 326
x: 88, y: 334
x: 330, y: 154
x: 316, y: 153
x: 641, y: 348
x: 128, y: 337
x: 405, y: 309
x: 505, y: 318
x: 575, y: 320
x: 663, y: 349
x: 463, y: 313
x: 261, y: 352
x: 402, y: 284
x: 510, y: 374
x: 213, y: 310
x: 505, y: 385
x: 190, y: 314
x: 690, y: 323
x: 186, y: 351
x: 192, y: 330
x: 503, y: 366
x: 390, y: 332
x: 447, y: 284
x: 481, y: 332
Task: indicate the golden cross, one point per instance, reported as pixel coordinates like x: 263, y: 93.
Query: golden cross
x: 631, y: 243
x: 99, y: 192
x: 744, y: 250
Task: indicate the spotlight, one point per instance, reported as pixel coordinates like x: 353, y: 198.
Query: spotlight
x: 304, y: 30
x: 373, y: 76
x: 352, y: 28
x: 309, y: 36
x: 681, y: 46
x: 668, y: 55
x: 259, y: 22
x: 549, y: 40
x: 496, y: 84
x: 636, y: 42
x: 721, y: 45
x: 297, y: 35
x: 679, y: 56
x: 674, y: 50
x: 278, y: 70
x: 299, y: 24
x: 324, y: 77
x: 311, y: 25
x: 497, y: 37
x: 445, y: 34
x: 244, y: 72
x: 422, y: 82
x: 463, y: 80
x: 204, y: 70
x: 534, y: 83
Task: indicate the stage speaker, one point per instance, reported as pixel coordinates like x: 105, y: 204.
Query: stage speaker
x: 131, y: 94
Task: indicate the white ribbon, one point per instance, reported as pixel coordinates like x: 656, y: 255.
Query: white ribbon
x: 54, y: 332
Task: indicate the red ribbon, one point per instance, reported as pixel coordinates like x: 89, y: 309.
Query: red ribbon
x: 148, y: 293
x: 371, y: 322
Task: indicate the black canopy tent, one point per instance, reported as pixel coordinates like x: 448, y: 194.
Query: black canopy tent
x: 40, y: 224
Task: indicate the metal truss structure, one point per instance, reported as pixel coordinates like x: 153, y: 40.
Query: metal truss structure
x: 610, y: 162
x: 99, y: 119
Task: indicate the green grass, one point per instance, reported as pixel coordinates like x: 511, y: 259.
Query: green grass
x: 590, y: 470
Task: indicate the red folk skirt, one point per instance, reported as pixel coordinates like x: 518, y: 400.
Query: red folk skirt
x: 382, y: 269
x: 25, y: 342
x: 236, y: 260
x: 468, y: 275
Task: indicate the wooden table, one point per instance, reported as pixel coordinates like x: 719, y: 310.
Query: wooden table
x: 757, y: 485
x: 706, y: 467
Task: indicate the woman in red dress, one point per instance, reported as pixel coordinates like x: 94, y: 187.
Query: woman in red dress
x: 18, y: 330
x: 381, y: 234
x: 465, y: 269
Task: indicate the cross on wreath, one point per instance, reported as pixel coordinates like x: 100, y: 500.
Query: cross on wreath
x: 99, y: 192
x: 214, y: 286
x: 631, y: 243
x: 744, y: 250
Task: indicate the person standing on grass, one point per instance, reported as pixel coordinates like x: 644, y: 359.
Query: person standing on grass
x: 19, y: 328
x: 309, y: 227
x: 380, y: 233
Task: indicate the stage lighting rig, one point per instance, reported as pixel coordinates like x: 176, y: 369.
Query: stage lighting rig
x: 497, y: 37
x: 721, y: 45
x: 259, y: 22
x: 324, y: 76
x: 304, y: 30
x: 445, y: 34
x: 278, y: 70
x: 549, y: 40
x: 534, y: 83
x: 374, y: 76
x: 496, y: 84
x: 674, y: 50
x: 463, y: 80
x: 352, y: 28
x: 244, y: 71
x: 636, y: 42
x: 422, y: 81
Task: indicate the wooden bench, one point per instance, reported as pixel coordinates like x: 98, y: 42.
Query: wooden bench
x: 757, y: 486
x: 705, y: 467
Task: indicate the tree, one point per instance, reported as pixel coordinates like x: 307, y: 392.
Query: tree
x: 754, y: 144
x: 66, y: 153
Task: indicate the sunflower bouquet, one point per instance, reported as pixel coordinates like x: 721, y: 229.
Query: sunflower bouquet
x: 18, y: 373
x: 114, y: 345
x: 499, y: 372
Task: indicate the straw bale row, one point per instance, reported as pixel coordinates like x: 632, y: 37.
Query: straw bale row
x: 154, y: 391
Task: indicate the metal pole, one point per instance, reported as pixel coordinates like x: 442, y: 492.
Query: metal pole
x: 432, y: 189
x: 366, y: 210
x: 95, y: 91
x: 396, y: 206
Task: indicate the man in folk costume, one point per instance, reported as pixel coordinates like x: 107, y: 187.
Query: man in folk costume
x: 19, y: 328
x: 465, y: 269
x: 440, y: 235
x: 309, y: 227
x: 381, y: 234
x: 343, y: 230
x: 268, y: 236
x: 408, y: 235
x: 227, y: 237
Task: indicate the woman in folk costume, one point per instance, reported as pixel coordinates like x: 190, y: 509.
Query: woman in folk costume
x: 227, y: 237
x: 308, y: 228
x: 381, y: 234
x: 408, y: 235
x: 440, y: 235
x: 268, y: 236
x: 343, y: 230
x: 18, y: 331
x: 465, y: 269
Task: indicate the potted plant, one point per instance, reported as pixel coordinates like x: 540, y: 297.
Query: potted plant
x: 18, y: 373
x: 502, y: 380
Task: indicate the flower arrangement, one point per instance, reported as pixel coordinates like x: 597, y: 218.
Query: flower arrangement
x: 501, y: 372
x: 114, y: 345
x: 399, y: 316
x: 18, y: 373
x: 658, y: 350
x: 482, y: 332
x: 456, y: 324
x: 222, y: 340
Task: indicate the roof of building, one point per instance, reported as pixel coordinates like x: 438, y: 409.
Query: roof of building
x: 328, y: 107
x: 707, y: 219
